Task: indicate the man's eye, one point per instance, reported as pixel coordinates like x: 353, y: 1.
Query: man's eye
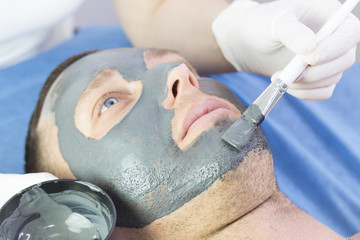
x: 108, y: 103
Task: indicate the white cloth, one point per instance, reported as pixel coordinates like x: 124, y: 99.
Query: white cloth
x: 28, y: 27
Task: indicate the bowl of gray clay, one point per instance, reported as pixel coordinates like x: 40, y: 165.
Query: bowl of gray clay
x: 58, y: 209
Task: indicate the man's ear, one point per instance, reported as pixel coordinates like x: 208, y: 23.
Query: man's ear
x: 51, y: 158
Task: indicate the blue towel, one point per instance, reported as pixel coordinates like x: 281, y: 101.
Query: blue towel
x: 316, y: 145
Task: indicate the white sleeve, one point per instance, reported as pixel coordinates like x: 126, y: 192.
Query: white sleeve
x: 18, y: 17
x: 28, y: 27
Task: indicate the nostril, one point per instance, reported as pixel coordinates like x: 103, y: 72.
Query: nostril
x: 193, y: 82
x: 175, y: 88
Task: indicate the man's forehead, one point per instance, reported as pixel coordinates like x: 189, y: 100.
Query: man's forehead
x: 129, y: 62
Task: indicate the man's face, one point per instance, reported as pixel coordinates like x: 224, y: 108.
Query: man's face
x: 139, y: 126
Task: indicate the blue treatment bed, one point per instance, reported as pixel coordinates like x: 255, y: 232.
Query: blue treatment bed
x: 316, y: 145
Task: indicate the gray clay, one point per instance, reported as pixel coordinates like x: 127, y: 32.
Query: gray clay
x: 70, y: 215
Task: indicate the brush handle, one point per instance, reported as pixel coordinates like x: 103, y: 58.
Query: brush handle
x: 297, y: 65
x: 270, y: 96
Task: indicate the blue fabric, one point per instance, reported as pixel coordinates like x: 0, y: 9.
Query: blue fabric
x: 315, y: 144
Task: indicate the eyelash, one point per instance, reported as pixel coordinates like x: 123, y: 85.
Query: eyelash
x: 102, y: 100
x: 104, y: 107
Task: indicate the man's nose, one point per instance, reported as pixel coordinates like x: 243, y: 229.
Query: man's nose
x: 180, y: 83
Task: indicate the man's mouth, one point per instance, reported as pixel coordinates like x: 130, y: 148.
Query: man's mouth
x: 204, y: 115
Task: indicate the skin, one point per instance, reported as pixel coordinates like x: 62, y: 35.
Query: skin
x: 148, y: 27
x: 232, y: 207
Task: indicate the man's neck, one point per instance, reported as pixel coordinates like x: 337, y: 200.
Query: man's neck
x: 277, y: 218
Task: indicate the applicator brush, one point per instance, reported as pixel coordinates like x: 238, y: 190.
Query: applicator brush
x: 241, y: 131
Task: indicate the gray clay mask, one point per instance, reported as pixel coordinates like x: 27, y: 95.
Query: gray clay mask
x: 137, y: 162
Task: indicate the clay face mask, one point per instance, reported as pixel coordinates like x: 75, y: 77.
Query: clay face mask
x: 137, y: 162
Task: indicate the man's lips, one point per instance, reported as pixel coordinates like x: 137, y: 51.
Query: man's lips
x: 203, y: 112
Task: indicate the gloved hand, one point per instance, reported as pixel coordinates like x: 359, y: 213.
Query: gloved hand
x: 10, y: 184
x: 263, y: 38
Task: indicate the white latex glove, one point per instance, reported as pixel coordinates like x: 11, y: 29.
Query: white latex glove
x: 10, y: 184
x: 263, y: 38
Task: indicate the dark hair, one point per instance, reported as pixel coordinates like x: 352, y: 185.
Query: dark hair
x: 32, y: 147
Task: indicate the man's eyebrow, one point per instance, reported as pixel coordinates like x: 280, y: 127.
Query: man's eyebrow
x: 153, y: 57
x: 98, y: 81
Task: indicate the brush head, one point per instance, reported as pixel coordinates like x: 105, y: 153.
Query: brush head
x: 239, y: 134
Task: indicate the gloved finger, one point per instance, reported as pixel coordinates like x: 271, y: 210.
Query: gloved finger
x: 313, y: 94
x: 294, y: 35
x: 334, y: 67
x: 346, y: 36
x: 322, y: 75
x: 310, y: 15
x: 317, y: 84
x: 275, y: 76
